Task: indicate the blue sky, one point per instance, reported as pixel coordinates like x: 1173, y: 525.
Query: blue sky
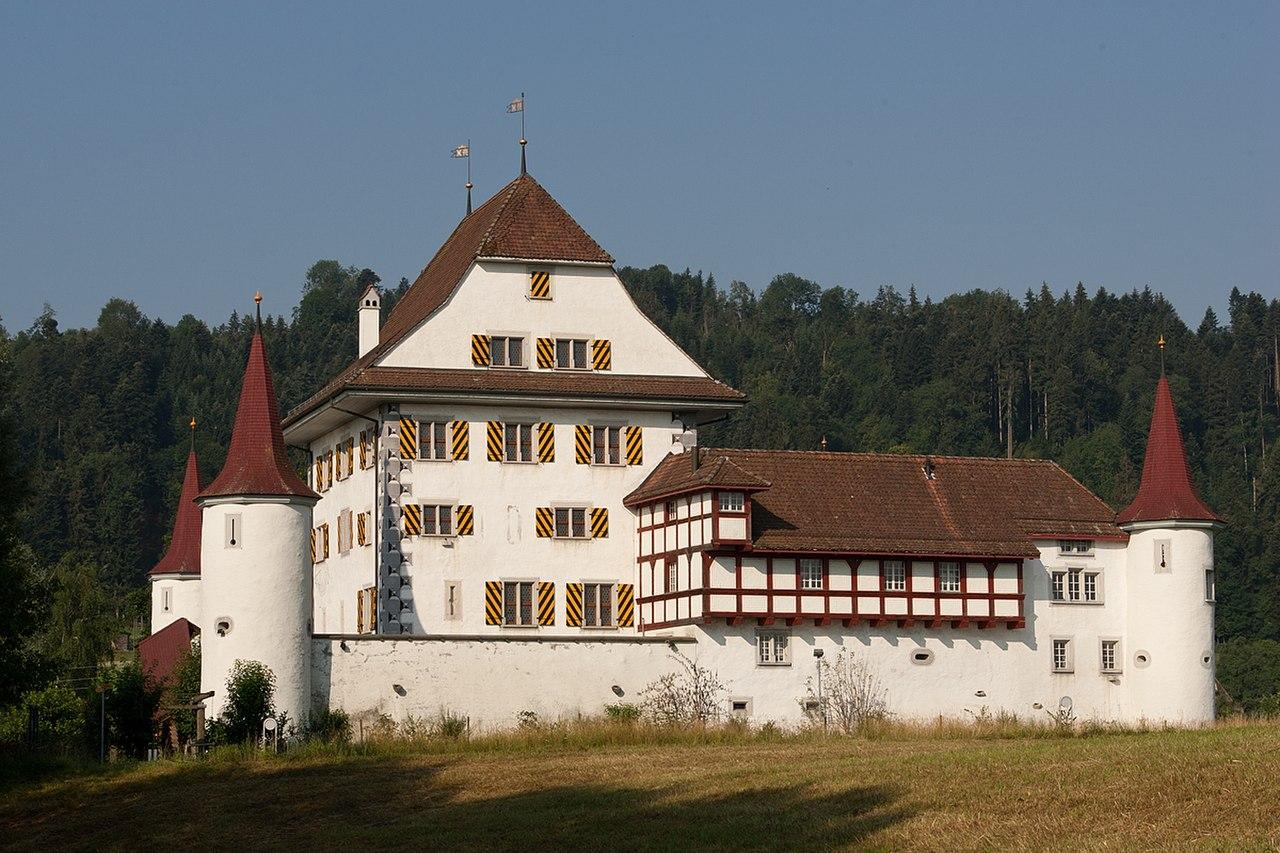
x: 182, y: 155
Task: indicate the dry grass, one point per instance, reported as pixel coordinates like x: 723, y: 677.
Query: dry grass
x: 596, y: 786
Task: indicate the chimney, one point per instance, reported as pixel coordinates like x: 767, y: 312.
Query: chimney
x: 370, y: 314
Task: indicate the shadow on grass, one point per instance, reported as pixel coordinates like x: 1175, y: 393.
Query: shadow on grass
x: 392, y: 803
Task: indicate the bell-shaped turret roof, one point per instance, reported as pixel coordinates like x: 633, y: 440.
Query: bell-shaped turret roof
x: 1166, y: 492
x: 183, y: 556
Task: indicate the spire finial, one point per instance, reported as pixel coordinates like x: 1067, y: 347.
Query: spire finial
x: 517, y: 106
x: 257, y: 304
x: 193, y: 432
x: 1160, y: 343
x: 463, y: 152
x: 824, y: 442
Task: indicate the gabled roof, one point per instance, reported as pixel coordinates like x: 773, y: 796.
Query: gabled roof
x: 257, y: 464
x: 885, y: 504
x: 1166, y: 492
x: 183, y: 556
x: 676, y: 475
x: 160, y: 652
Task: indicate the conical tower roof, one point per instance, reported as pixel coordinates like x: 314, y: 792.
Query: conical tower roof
x: 183, y: 556
x: 257, y: 464
x: 1166, y: 492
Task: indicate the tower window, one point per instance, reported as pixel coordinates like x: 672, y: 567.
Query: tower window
x: 1062, y: 661
x: 166, y: 599
x: 1210, y: 586
x: 234, y: 530
x: 1163, y: 556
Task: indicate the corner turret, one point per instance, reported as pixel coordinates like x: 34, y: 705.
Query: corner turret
x: 175, y: 580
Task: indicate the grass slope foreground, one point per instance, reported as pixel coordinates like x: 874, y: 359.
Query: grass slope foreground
x: 673, y: 791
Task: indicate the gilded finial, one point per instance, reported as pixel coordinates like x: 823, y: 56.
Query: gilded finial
x: 257, y: 303
x: 1160, y: 343
x: 824, y: 442
x: 193, y: 423
x: 193, y: 432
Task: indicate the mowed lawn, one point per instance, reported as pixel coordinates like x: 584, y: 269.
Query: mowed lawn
x: 1216, y: 788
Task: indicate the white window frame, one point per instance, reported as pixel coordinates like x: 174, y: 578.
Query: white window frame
x: 520, y: 446
x: 435, y: 512
x: 671, y: 567
x: 1072, y: 585
x: 598, y: 445
x: 427, y: 445
x: 571, y: 343
x: 233, y: 530
x: 519, y: 584
x: 452, y: 604
x: 593, y: 592
x: 166, y: 599
x: 949, y: 576
x: 569, y: 510
x: 810, y: 569
x: 1210, y: 585
x: 1082, y: 547
x: 506, y: 339
x: 1068, y: 664
x: 773, y: 647
x: 1117, y: 656
x: 733, y: 502
x: 1058, y: 585
x: 897, y: 581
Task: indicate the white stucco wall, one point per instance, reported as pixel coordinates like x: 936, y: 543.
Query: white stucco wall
x: 184, y: 600
x: 263, y: 586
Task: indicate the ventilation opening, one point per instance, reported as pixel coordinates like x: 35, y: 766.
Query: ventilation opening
x: 922, y: 657
x: 1141, y: 660
x: 1206, y: 659
x: 222, y: 627
x: 740, y: 708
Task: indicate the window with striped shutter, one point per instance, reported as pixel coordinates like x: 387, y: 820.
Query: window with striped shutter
x: 601, y: 355
x: 412, y: 519
x: 480, y: 350
x: 539, y: 284
x: 544, y: 522
x: 408, y: 438
x: 461, y: 440
x: 362, y: 529
x: 573, y: 605
x: 360, y: 608
x: 466, y: 520
x: 599, y: 523
x: 626, y: 605
x: 313, y: 544
x: 582, y: 444
x: 546, y: 353
x: 546, y: 443
x: 546, y: 603
x: 366, y: 450
x: 635, y: 445
x: 493, y: 602
x: 493, y: 441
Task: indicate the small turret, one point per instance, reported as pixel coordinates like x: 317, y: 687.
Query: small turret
x: 175, y: 580
x: 370, y: 313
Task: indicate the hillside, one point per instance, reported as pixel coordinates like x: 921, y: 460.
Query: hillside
x: 602, y: 790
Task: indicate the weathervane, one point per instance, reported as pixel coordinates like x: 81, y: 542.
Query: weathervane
x: 517, y: 106
x: 464, y: 152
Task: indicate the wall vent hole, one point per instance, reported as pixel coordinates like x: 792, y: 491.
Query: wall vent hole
x: 922, y: 657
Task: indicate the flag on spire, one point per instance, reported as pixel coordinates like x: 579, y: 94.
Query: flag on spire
x: 516, y: 106
x: 461, y: 151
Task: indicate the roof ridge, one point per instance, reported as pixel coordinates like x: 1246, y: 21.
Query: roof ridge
x: 510, y: 190
x: 1030, y: 460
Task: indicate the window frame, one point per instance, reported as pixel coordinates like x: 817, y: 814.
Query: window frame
x: 609, y: 588
x: 435, y: 511
x: 945, y: 583
x: 431, y: 445
x: 519, y: 584
x: 507, y: 338
x: 166, y: 599
x: 608, y: 431
x: 1068, y: 648
x: 367, y: 538
x: 571, y: 509
x: 741, y: 502
x: 1076, y: 547
x: 671, y: 574
x: 532, y: 446
x: 1072, y: 585
x: 1210, y: 586
x: 763, y: 635
x: 452, y: 596
x: 571, y: 341
x: 807, y: 580
x: 885, y: 582
x: 1117, y: 656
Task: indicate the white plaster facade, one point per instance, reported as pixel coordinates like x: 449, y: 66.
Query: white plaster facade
x: 174, y: 597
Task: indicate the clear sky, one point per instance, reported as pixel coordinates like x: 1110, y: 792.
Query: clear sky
x: 182, y: 155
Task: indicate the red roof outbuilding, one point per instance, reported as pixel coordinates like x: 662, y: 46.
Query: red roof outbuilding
x: 1166, y: 492
x: 256, y: 460
x: 160, y: 653
x: 183, y: 556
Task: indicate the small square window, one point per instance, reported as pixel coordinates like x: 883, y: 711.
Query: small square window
x: 506, y: 351
x: 1110, y: 661
x: 1062, y: 661
x: 810, y: 574
x: 731, y: 502
x: 773, y: 648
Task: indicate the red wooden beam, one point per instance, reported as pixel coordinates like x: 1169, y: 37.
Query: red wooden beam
x: 822, y: 622
x: 735, y: 620
x: 765, y: 620
x: 935, y: 623
x: 792, y: 621
x: 906, y: 623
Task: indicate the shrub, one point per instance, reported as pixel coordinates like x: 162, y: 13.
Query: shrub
x: 327, y: 725
x: 60, y: 720
x: 692, y: 694
x: 852, y: 694
x: 184, y: 687
x: 527, y: 719
x: 452, y: 726
x: 132, y: 700
x: 251, y: 689
x: 622, y: 712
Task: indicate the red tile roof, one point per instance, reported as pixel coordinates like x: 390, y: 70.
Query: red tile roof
x: 159, y: 653
x: 183, y: 556
x: 870, y: 503
x: 256, y: 460
x: 679, y: 476
x: 1166, y: 492
x: 619, y: 386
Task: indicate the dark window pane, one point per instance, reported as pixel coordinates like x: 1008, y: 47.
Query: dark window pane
x: 562, y: 353
x: 579, y: 353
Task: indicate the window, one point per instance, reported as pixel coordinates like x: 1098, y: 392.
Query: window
x: 362, y: 529
x: 810, y: 574
x: 1059, y: 580
x: 773, y: 648
x: 166, y: 599
x: 339, y: 462
x: 606, y: 445
x: 571, y: 354
x: 322, y: 543
x: 234, y: 532
x: 1210, y: 586
x: 432, y: 443
x: 597, y: 605
x: 673, y: 579
x: 344, y: 531
x: 452, y: 601
x: 669, y: 511
x: 731, y: 502
x: 895, y: 576
x: 1090, y: 586
x: 366, y: 449
x: 1075, y: 546
x: 328, y: 470
x: 948, y: 577
x: 366, y: 610
x: 571, y: 522
x: 517, y: 603
x: 1164, y: 556
x: 517, y: 443
x: 437, y: 520
x: 1110, y: 656
x: 506, y: 351
x: 1077, y: 586
x: 1073, y: 585
x: 1062, y: 656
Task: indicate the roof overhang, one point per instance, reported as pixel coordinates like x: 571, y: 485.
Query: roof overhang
x: 1171, y: 524
x: 557, y: 261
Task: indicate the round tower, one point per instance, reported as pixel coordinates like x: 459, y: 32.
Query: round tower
x: 256, y: 573
x: 175, y: 580
x: 1168, y: 660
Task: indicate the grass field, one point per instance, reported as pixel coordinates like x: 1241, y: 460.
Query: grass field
x: 615, y: 788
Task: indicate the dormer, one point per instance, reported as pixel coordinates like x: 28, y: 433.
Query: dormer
x: 370, y: 314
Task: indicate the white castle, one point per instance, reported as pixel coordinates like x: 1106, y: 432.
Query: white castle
x: 508, y: 511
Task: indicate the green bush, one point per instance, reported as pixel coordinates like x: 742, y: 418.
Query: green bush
x: 327, y: 725
x: 251, y: 690
x: 132, y: 700
x: 622, y: 712
x: 61, y: 722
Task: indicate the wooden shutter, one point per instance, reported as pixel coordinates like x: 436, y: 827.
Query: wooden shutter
x: 626, y: 605
x: 546, y: 353
x: 601, y: 355
x: 635, y: 447
x: 599, y: 523
x: 362, y: 528
x: 544, y: 522
x: 539, y: 284
x: 324, y: 540
x: 408, y: 438
x: 371, y: 601
x: 546, y: 603
x: 573, y: 605
x: 493, y: 441
x: 461, y: 440
x: 493, y: 602
x: 582, y: 444
x: 351, y: 456
x: 313, y: 544
x: 360, y: 608
x: 480, y: 355
x: 412, y: 519
x: 466, y: 520
x: 546, y: 443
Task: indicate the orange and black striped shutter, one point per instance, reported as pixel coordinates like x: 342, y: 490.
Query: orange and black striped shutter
x: 539, y: 284
x: 493, y: 441
x: 599, y: 523
x: 408, y: 438
x: 493, y: 602
x: 544, y: 522
x: 626, y: 605
x: 582, y: 444
x: 362, y: 529
x: 412, y: 519
x: 601, y: 355
x: 573, y: 605
x: 635, y: 447
x: 466, y: 519
x: 546, y: 443
x: 546, y: 603
x: 546, y: 353
x: 461, y: 440
x: 313, y: 544
x: 480, y: 355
